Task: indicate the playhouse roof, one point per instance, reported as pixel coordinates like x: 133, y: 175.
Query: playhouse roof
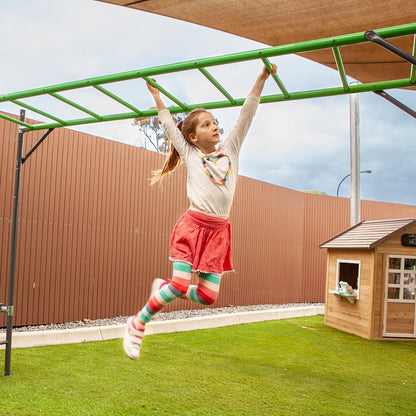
x: 369, y: 234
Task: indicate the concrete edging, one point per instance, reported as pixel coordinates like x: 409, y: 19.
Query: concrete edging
x: 104, y: 333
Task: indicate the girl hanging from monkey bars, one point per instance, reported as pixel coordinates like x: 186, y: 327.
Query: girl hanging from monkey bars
x: 201, y: 239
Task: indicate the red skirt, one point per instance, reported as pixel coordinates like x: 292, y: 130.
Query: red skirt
x: 202, y: 241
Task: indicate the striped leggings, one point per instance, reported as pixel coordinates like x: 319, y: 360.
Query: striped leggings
x: 205, y: 292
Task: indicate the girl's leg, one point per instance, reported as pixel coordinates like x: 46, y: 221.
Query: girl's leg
x: 176, y: 288
x: 206, y: 291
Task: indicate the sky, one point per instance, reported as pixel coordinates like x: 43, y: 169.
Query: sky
x: 301, y: 145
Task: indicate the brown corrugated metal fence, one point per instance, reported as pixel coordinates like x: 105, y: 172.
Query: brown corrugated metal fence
x: 93, y: 233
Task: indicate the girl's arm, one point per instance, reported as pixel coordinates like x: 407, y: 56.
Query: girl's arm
x: 173, y: 134
x: 259, y: 84
x: 236, y: 137
x: 156, y: 97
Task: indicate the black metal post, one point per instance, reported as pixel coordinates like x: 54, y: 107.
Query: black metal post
x: 376, y: 38
x: 397, y: 103
x: 13, y: 248
x: 36, y: 145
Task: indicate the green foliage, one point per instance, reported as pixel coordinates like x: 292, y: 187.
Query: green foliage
x: 151, y: 129
x: 288, y: 367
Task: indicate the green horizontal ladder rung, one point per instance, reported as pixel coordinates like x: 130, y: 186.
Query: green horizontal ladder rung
x: 278, y: 81
x: 36, y: 110
x: 118, y: 99
x: 340, y: 66
x: 166, y: 93
x: 77, y: 106
x: 13, y: 120
x: 217, y: 85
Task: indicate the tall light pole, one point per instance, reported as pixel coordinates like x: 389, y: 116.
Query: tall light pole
x: 347, y: 176
x: 354, y: 160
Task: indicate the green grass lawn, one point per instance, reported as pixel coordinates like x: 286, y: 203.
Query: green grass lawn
x: 286, y: 367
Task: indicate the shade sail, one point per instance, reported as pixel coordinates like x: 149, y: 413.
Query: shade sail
x: 279, y: 22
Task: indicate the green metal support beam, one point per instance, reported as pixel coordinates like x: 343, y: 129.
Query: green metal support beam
x: 340, y: 66
x: 276, y: 77
x: 167, y: 93
x: 201, y: 65
x: 217, y: 85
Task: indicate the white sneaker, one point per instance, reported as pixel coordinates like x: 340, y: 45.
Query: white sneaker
x: 156, y: 285
x: 133, y: 338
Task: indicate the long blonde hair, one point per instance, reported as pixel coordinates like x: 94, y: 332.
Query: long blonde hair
x: 173, y: 160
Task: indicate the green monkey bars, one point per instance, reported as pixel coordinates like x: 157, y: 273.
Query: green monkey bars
x: 202, y: 64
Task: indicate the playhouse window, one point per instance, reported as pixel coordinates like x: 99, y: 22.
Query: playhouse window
x: 349, y: 271
x: 401, y: 282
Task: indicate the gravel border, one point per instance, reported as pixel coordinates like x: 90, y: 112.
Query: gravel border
x: 163, y: 316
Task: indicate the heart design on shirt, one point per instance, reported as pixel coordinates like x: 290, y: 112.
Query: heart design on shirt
x: 216, y: 159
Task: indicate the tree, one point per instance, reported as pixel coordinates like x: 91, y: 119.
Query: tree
x: 152, y: 129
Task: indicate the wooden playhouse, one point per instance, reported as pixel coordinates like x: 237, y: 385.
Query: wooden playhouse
x: 370, y: 282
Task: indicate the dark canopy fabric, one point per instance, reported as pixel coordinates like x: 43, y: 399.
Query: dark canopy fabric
x: 280, y: 22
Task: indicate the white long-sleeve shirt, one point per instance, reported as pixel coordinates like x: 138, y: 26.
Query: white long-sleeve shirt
x: 204, y: 194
